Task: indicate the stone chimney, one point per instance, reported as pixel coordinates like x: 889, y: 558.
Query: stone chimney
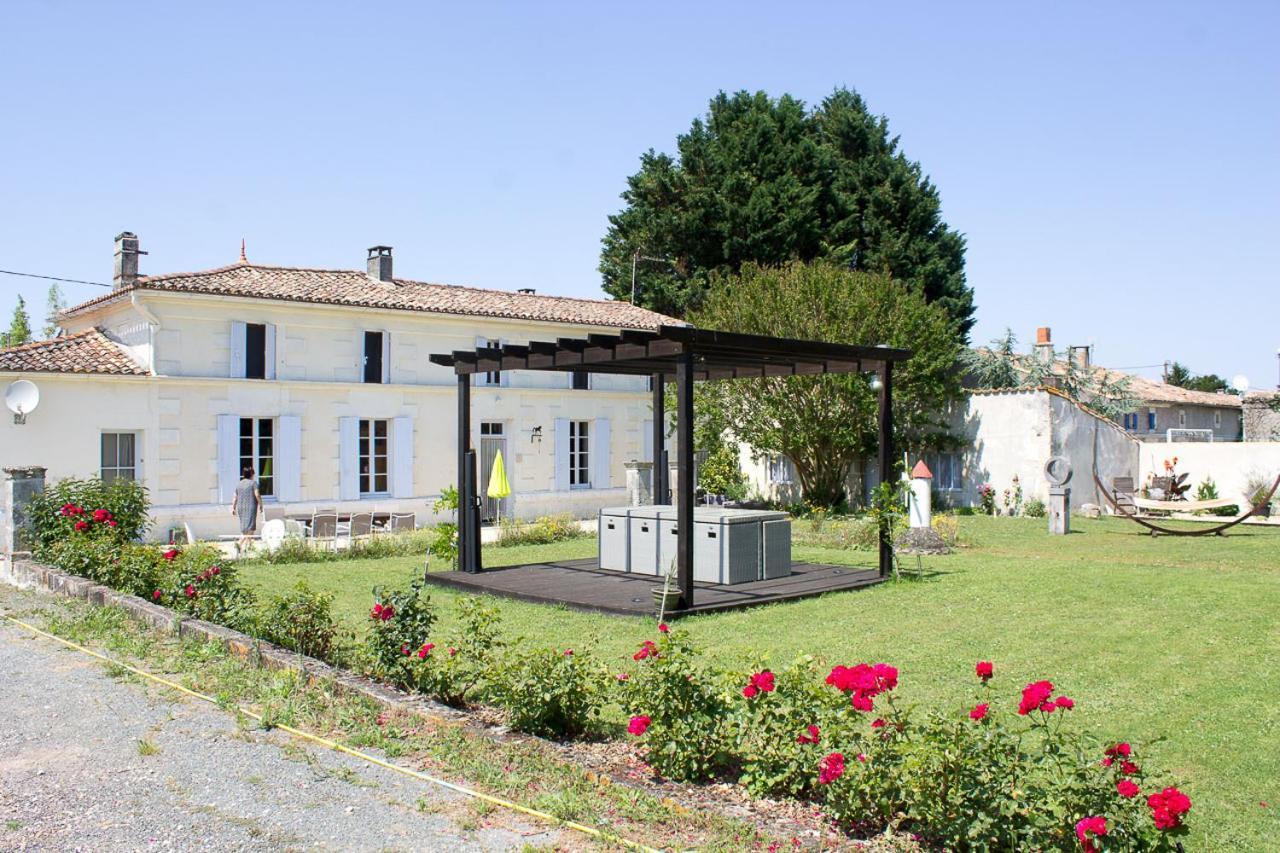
x: 1044, y: 344
x: 380, y: 263
x: 1080, y: 356
x: 527, y: 291
x: 126, y: 260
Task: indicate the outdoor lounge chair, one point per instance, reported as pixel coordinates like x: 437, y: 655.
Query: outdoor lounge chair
x: 1122, y: 492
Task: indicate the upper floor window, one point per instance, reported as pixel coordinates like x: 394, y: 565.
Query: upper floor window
x: 375, y: 351
x: 1151, y: 420
x: 253, y: 350
x: 119, y: 458
x: 580, y: 380
x: 579, y: 455
x: 258, y: 451
x: 374, y: 456
x: 491, y: 377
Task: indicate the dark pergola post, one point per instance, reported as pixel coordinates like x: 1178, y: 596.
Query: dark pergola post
x: 886, y: 458
x: 684, y: 473
x: 659, y: 480
x: 468, y: 529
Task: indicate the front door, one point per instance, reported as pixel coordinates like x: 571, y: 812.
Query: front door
x: 493, y: 437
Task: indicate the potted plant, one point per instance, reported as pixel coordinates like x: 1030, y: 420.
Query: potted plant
x: 667, y: 596
x: 1255, y: 489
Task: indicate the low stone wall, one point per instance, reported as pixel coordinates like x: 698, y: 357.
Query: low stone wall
x: 25, y: 573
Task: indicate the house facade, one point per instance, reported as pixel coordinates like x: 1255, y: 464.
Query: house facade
x: 320, y: 380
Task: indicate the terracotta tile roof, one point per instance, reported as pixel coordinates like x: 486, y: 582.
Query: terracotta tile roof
x: 89, y: 351
x: 356, y: 289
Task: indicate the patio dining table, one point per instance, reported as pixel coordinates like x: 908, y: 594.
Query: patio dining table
x: 380, y: 519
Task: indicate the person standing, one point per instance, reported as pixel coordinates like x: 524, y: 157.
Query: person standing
x: 246, y: 505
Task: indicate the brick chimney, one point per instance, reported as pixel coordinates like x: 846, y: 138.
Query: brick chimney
x: 1044, y: 344
x: 380, y: 263
x: 126, y: 260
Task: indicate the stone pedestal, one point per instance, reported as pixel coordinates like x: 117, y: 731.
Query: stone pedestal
x: 1059, y: 510
x: 639, y: 483
x: 17, y: 487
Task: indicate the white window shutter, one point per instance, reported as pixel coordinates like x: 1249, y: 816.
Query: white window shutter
x: 504, y: 378
x: 561, y: 453
x: 386, y: 357
x: 402, y: 457
x: 270, y: 351
x: 348, y: 462
x: 601, y: 457
x: 237, y: 349
x: 646, y: 441
x: 228, y: 456
x: 288, y: 458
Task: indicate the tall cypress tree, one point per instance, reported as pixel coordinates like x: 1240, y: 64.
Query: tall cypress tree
x: 769, y: 181
x: 20, y: 326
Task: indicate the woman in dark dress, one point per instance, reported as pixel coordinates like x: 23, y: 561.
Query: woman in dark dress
x: 245, y: 506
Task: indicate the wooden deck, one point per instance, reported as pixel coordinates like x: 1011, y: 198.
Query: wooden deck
x: 582, y: 585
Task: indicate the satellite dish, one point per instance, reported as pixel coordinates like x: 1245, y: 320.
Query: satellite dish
x: 21, y: 398
x: 1240, y: 383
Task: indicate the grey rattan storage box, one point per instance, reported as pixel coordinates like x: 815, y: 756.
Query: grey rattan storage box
x: 615, y: 536
x: 729, y: 545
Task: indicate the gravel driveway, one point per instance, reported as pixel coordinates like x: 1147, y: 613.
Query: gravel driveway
x: 91, y: 763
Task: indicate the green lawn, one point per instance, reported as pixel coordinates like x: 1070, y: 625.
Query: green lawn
x: 1153, y: 637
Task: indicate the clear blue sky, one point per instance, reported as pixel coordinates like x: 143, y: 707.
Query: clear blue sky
x: 1115, y: 167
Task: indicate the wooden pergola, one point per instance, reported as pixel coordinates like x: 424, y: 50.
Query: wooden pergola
x: 688, y: 355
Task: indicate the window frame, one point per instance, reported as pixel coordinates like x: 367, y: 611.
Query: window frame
x: 135, y: 473
x: 255, y: 350
x: 579, y: 380
x: 372, y: 358
x: 266, y: 479
x: 490, y: 378
x: 781, y: 470
x: 1151, y: 420
x: 366, y: 449
x: 579, y: 449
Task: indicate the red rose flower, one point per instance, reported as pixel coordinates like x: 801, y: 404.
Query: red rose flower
x: 112, y: 523
x: 1048, y: 707
x: 749, y: 691
x: 387, y: 612
x: 831, y: 768
x: 215, y: 571
x: 101, y: 515
x: 66, y: 509
x: 811, y: 735
x: 761, y: 682
x: 863, y: 682
x: 1106, y: 762
x: 984, y: 669
x: 1034, y: 696
x: 663, y: 628
x: 171, y: 554
x: 568, y: 652
x: 155, y: 596
x: 1121, y: 749
x: 82, y: 525
x: 1090, y: 826
x: 877, y: 723
x: 1168, y: 807
x: 979, y: 711
x: 190, y: 591
x: 639, y: 724
x: 376, y: 612
x: 622, y: 676
x: 1128, y: 768
x: 1126, y: 789
x: 1064, y: 702
x: 862, y: 756
x: 648, y: 649
x: 425, y: 650
x: 405, y: 650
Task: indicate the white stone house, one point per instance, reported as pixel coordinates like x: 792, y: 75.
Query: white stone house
x: 320, y: 380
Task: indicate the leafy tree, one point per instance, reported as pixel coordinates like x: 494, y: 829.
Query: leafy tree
x: 999, y: 365
x: 768, y: 181
x: 1179, y: 375
x: 55, y: 305
x: 825, y: 423
x: 19, y: 327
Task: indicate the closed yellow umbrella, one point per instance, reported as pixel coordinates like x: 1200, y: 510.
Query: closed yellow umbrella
x: 499, y: 487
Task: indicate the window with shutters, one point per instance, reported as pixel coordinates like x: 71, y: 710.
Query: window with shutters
x: 580, y: 380
x: 579, y: 455
x: 255, y: 351
x: 373, y: 357
x: 1151, y: 420
x: 119, y: 459
x: 374, y: 457
x: 258, y: 451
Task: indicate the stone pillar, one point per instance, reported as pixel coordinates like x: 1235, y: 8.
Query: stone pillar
x: 1059, y: 510
x: 17, y: 487
x: 673, y: 482
x: 639, y: 482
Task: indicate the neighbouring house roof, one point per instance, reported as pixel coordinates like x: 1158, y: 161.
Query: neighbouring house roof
x: 355, y: 288
x: 89, y: 351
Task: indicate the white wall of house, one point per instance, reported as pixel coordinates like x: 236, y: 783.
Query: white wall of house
x: 1229, y: 464
x: 184, y: 459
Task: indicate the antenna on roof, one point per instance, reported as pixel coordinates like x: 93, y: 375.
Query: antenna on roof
x: 243, y: 258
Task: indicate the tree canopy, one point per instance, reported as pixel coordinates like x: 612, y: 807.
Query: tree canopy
x: 769, y: 181
x: 826, y: 423
x: 19, y: 326
x: 1180, y: 375
x: 54, y: 305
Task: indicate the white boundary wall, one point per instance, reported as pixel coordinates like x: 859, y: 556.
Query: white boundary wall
x: 1229, y: 463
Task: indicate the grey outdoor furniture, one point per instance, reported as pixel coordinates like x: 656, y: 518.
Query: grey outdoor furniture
x: 361, y: 524
x: 401, y: 522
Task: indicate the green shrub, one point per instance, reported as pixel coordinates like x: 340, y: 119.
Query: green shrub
x: 548, y: 692
x: 401, y: 623
x: 721, y: 473
x: 463, y: 669
x: 1034, y: 508
x: 677, y: 707
x: 116, y: 511
x: 1208, y: 491
x: 299, y: 550
x: 302, y: 621
x: 543, y: 531
x: 199, y: 581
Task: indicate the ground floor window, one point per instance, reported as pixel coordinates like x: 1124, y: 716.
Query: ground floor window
x: 945, y: 468
x: 119, y: 458
x: 781, y: 469
x: 374, y: 456
x: 579, y: 455
x: 1131, y: 421
x: 258, y: 451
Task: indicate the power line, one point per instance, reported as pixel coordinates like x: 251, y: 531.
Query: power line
x: 56, y: 278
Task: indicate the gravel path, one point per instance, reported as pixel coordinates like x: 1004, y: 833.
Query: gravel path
x: 92, y: 763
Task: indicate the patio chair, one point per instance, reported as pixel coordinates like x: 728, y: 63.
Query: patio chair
x: 361, y: 524
x: 402, y: 522
x: 1122, y: 493
x: 325, y: 526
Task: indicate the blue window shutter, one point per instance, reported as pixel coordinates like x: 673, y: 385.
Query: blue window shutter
x: 270, y: 348
x: 402, y: 457
x: 237, y: 350
x: 348, y: 463
x: 561, y: 453
x: 288, y: 458
x: 601, y: 458
x: 228, y: 455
